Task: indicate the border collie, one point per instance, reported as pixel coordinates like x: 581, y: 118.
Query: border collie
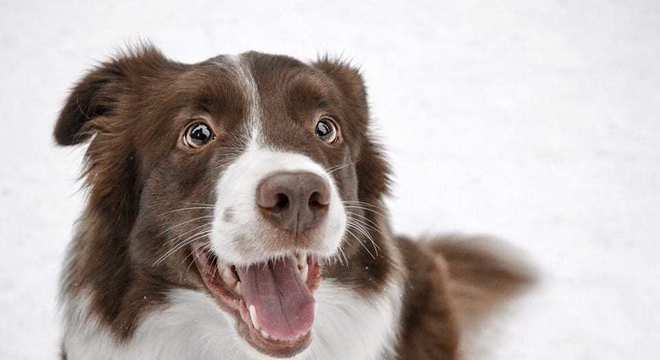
x: 235, y: 211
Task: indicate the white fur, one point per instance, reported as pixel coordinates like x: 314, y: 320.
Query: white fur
x: 245, y: 79
x: 192, y: 326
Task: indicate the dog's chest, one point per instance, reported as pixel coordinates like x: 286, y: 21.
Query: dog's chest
x: 347, y: 326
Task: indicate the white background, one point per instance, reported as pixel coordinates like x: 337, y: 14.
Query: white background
x: 534, y: 121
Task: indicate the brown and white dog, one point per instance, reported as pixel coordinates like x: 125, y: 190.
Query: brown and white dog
x: 236, y: 211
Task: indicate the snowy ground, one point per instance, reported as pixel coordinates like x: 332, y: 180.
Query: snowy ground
x: 537, y: 122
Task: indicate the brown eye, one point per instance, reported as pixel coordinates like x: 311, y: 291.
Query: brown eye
x: 198, y: 135
x: 326, y: 130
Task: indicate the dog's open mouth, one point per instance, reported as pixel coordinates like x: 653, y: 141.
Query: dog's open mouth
x: 272, y: 301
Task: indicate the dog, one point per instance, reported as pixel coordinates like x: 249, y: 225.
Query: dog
x: 235, y: 211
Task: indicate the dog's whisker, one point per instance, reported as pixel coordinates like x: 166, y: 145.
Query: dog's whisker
x: 343, y: 260
x: 361, y: 203
x: 198, y: 230
x: 169, y: 229
x: 368, y: 223
x: 190, y: 258
x: 181, y: 245
x: 176, y: 239
x: 364, y: 233
x: 357, y: 238
x: 362, y: 244
x: 176, y: 249
x: 201, y: 204
x: 356, y: 220
x: 188, y: 208
x: 339, y: 257
x: 339, y: 167
x: 356, y: 207
x: 364, y: 217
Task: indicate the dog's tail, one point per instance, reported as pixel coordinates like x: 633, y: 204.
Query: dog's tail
x: 483, y: 274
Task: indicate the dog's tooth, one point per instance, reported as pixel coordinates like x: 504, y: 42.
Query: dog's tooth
x: 303, y: 272
x: 253, y: 316
x: 265, y: 334
x: 301, y: 262
x: 300, y: 258
x: 228, y: 276
x: 237, y: 288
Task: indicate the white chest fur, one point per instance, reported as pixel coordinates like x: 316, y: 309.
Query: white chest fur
x: 348, y: 326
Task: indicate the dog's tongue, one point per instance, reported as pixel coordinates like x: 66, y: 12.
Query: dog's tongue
x: 283, y: 303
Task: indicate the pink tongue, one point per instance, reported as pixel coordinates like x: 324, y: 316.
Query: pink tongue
x: 283, y: 303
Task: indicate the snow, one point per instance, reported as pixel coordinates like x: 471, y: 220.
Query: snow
x: 536, y: 122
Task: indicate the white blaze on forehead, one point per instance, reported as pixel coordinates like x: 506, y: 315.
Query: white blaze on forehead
x: 237, y: 65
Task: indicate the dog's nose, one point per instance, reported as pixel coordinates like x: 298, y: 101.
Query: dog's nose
x: 294, y: 201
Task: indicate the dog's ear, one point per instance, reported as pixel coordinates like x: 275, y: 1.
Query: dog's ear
x: 349, y: 81
x: 98, y: 93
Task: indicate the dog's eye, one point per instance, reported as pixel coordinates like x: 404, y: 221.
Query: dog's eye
x: 198, y: 135
x: 326, y: 130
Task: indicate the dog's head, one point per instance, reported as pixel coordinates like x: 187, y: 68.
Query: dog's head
x: 256, y: 168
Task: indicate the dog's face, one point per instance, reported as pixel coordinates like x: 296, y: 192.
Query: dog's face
x: 254, y: 168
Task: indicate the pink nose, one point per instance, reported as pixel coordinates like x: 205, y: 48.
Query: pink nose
x: 294, y: 201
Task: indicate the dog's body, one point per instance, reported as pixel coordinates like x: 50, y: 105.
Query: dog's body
x: 236, y: 211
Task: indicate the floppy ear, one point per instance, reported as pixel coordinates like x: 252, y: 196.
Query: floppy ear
x: 349, y: 81
x: 99, y: 92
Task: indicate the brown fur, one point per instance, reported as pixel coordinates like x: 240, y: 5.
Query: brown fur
x: 482, y: 272
x: 133, y: 108
x: 455, y: 282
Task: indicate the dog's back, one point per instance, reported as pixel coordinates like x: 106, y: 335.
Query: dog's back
x: 455, y: 282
